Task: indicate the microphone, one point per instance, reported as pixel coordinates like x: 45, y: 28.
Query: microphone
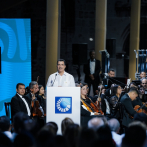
x: 54, y: 80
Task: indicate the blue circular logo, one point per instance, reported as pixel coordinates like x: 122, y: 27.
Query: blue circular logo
x: 63, y: 104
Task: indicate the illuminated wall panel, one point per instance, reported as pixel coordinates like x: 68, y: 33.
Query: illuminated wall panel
x: 15, y: 43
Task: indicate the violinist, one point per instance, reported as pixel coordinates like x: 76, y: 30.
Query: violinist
x: 33, y: 86
x: 87, y: 112
x: 129, y: 111
x: 41, y: 94
x: 116, y: 91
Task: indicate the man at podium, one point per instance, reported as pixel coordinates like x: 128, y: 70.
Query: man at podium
x: 61, y: 78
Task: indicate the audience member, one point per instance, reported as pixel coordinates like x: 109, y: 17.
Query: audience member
x: 64, y: 124
x: 71, y: 135
x: 5, y: 126
x: 135, y: 136
x: 87, y: 138
x: 18, y: 123
x: 95, y: 123
x: 24, y: 139
x: 115, y: 127
x: 105, y: 137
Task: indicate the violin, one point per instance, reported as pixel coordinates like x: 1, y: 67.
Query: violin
x: 140, y: 109
x: 89, y: 108
x: 92, y: 104
x: 98, y: 103
x: 36, y: 110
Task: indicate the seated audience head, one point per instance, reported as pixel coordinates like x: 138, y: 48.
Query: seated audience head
x: 111, y: 73
x: 144, y: 83
x: 87, y: 137
x: 92, y: 55
x: 105, y: 137
x: 71, y: 134
x: 51, y: 127
x: 133, y: 93
x: 61, y: 65
x: 18, y: 121
x: 114, y: 125
x: 33, y: 87
x: 142, y: 75
x: 41, y: 90
x: 95, y: 123
x: 20, y: 88
x: 135, y: 135
x: 60, y: 141
x: 64, y: 124
x: 116, y: 90
x: 24, y: 140
x: 5, y: 124
x: 45, y: 139
x: 142, y: 117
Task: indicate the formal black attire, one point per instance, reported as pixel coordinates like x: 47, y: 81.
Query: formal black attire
x: 96, y: 80
x: 41, y: 120
x: 128, y: 110
x: 18, y: 105
x: 85, y: 114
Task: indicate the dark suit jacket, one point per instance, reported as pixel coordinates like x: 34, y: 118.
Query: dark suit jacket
x: 29, y: 95
x: 87, y: 71
x: 18, y: 105
x: 128, y: 109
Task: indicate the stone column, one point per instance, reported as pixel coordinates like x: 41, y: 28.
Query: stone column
x: 134, y: 36
x: 52, y: 36
x: 100, y: 27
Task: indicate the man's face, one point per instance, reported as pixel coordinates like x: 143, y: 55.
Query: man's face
x: 133, y: 96
x: 21, y: 89
x: 111, y: 74
x: 61, y: 66
x: 34, y: 89
x: 144, y: 83
x: 92, y: 55
x: 143, y: 75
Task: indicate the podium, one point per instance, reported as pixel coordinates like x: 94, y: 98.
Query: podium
x: 63, y: 102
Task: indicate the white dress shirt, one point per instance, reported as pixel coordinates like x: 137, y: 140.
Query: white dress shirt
x: 56, y: 80
x: 117, y: 138
x: 27, y: 106
x: 92, y: 66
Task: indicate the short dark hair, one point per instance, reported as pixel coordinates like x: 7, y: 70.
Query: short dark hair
x: 61, y: 60
x: 4, y: 123
x: 19, y: 84
x: 111, y: 70
x: 32, y: 84
x: 133, y: 89
x: 91, y: 52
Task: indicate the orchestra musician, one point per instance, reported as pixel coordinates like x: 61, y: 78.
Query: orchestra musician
x: 87, y: 110
x: 129, y: 111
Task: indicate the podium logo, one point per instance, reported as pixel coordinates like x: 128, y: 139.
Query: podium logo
x: 63, y: 104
